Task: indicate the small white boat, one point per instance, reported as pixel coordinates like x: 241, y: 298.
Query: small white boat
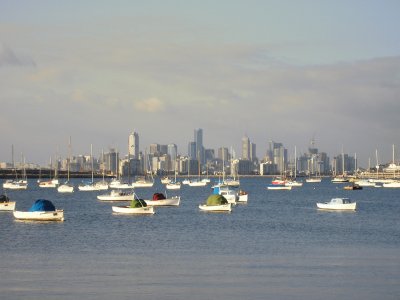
x: 314, y: 180
x: 279, y: 187
x: 15, y: 184
x: 173, y: 186
x: 142, y: 184
x: 101, y: 185
x: 6, y: 204
x: 230, y: 195
x: 340, y: 179
x: 160, y: 200
x: 186, y: 181
x: 165, y: 180
x: 338, y: 204
x: 243, y: 196
x: 116, y: 195
x: 365, y: 183
x: 57, y: 215
x: 216, y: 208
x: 293, y: 183
x: 65, y: 188
x: 216, y: 203
x: 42, y: 210
x: 133, y: 210
x: 138, y: 206
x: 393, y: 184
x: 88, y: 187
x: 48, y: 184
x: 197, y: 183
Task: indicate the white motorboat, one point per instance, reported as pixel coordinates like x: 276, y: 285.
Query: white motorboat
x: 216, y: 208
x: 173, y: 186
x: 160, y: 200
x: 88, y: 187
x: 340, y: 179
x: 15, y: 184
x: 279, y: 187
x: 293, y: 183
x: 6, y: 204
x: 42, y: 210
x: 117, y: 195
x: 186, y: 181
x: 65, y: 188
x: 230, y: 195
x: 173, y: 201
x: 338, y: 204
x: 165, y: 180
x: 393, y: 184
x: 243, y: 196
x: 48, y: 184
x: 365, y: 183
x: 197, y: 183
x: 142, y: 184
x: 314, y: 180
x: 101, y: 185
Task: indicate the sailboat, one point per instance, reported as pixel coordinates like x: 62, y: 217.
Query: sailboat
x: 173, y: 185
x: 313, y: 179
x: 198, y: 182
x: 89, y: 186
x: 17, y: 184
x: 67, y: 187
x: 102, y: 185
x: 342, y: 178
x: 51, y: 183
x: 294, y: 182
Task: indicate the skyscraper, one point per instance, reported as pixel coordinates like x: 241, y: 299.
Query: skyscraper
x: 246, y: 148
x: 134, y: 145
x: 198, y: 139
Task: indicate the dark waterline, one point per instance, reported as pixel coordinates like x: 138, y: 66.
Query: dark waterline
x: 278, y: 246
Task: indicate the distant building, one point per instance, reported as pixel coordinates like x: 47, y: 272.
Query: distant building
x: 134, y: 145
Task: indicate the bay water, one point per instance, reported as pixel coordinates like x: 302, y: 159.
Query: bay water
x: 277, y: 246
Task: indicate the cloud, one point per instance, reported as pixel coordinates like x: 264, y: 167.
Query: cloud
x: 150, y: 105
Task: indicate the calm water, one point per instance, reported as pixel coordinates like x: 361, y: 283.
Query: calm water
x: 277, y: 246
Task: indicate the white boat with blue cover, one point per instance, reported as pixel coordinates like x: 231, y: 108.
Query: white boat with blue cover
x: 41, y: 210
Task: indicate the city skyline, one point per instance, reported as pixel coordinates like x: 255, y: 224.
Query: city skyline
x: 286, y: 71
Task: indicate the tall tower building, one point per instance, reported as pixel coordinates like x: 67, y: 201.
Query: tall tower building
x: 198, y: 139
x: 246, y: 148
x: 134, y: 145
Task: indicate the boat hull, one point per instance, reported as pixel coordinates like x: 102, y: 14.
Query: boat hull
x: 65, y: 189
x: 276, y: 187
x: 57, y: 215
x: 148, y: 210
x: 328, y: 206
x: 116, y: 197
x: 174, y: 201
x: 7, y: 206
x: 216, y: 208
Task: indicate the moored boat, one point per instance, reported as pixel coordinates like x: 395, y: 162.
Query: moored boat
x: 338, y: 204
x: 279, y: 187
x: 117, y: 195
x: 160, y: 200
x: 6, y: 204
x: 216, y: 203
x: 41, y: 210
x: 137, y: 206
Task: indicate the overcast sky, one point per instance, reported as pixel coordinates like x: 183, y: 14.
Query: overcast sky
x: 287, y: 71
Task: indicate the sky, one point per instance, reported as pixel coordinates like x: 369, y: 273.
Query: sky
x: 287, y: 71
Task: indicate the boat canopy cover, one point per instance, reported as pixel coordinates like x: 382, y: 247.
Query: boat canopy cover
x: 216, y: 200
x: 42, y: 205
x: 4, y: 198
x: 158, y: 196
x: 138, y: 203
